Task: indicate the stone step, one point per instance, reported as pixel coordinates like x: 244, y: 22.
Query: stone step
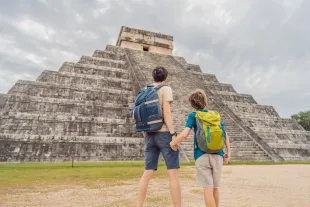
x: 88, y: 80
x: 187, y: 146
x: 247, y: 152
x: 3, y: 98
x: 220, y: 87
x: 89, y: 69
x: 250, y: 158
x: 89, y: 139
x: 238, y: 138
x: 85, y: 148
x: 278, y: 131
x: 233, y: 133
x: 108, y: 55
x: 104, y: 99
x: 41, y: 126
x: 102, y: 137
x: 38, y: 105
x: 279, y: 123
x: 290, y: 145
x: 293, y: 136
x: 294, y: 153
x: 234, y: 97
x: 233, y: 129
x: 244, y: 144
x: 189, y: 154
x: 254, y: 110
x: 115, y: 49
x: 207, y: 77
x: 193, y: 67
x: 55, y: 117
x: 236, y: 134
x: 248, y: 148
x: 77, y: 92
x: 103, y: 62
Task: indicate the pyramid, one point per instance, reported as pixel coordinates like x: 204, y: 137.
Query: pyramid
x: 83, y: 110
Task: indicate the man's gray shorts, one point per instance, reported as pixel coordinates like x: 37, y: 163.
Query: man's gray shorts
x: 156, y: 142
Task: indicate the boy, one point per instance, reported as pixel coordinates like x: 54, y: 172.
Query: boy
x: 208, y: 166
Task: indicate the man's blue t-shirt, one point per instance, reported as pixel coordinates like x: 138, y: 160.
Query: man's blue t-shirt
x: 191, y: 123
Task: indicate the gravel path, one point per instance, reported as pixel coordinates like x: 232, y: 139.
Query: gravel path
x: 276, y: 185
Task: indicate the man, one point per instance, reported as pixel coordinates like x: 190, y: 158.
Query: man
x: 159, y: 141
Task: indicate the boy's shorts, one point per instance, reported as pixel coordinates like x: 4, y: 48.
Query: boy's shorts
x: 156, y: 142
x: 209, y: 169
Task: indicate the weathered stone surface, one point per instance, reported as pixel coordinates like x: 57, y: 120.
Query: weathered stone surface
x: 108, y: 55
x: 84, y: 109
x: 83, y: 79
x: 3, y: 98
x: 145, y: 40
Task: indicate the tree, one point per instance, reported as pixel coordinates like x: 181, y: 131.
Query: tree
x: 303, y: 118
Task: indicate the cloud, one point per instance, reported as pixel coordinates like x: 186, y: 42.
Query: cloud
x: 34, y: 29
x: 261, y: 47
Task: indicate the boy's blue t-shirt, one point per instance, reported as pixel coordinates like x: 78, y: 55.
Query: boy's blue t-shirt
x: 191, y: 123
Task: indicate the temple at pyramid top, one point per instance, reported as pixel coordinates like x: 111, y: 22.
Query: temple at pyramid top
x: 145, y: 40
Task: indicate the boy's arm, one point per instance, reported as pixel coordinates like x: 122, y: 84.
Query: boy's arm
x: 183, y: 135
x: 227, y: 155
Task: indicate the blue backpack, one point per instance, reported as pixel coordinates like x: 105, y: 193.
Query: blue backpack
x: 147, y: 111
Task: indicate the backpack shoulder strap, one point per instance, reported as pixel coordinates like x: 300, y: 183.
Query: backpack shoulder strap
x: 159, y: 86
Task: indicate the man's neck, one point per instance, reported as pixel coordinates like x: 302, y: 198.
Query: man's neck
x: 158, y: 83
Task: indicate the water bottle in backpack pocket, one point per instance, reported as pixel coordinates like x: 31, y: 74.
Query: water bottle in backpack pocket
x: 147, y: 111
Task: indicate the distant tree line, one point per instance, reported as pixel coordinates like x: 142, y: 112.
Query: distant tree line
x: 303, y: 118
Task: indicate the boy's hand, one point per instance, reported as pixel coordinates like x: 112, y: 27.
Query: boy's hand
x: 226, y: 158
x: 173, y: 146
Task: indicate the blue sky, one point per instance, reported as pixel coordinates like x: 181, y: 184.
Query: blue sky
x: 259, y: 46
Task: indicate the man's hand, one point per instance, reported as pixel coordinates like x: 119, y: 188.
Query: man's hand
x: 226, y: 158
x: 173, y: 138
x: 173, y: 146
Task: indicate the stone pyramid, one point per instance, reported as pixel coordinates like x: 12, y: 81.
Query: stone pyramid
x: 83, y: 109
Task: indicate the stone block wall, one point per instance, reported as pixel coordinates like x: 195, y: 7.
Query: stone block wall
x: 81, y: 110
x: 145, y: 40
x: 3, y: 98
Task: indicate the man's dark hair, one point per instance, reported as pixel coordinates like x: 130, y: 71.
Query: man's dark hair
x: 160, y: 74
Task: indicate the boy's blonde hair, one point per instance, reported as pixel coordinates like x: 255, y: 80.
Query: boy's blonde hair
x: 198, y: 99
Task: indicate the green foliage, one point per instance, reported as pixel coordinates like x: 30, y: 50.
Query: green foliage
x: 303, y: 118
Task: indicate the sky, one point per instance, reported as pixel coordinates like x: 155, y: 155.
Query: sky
x: 261, y: 47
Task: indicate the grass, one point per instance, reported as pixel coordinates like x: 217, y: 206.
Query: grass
x: 88, y: 173
x: 21, y: 174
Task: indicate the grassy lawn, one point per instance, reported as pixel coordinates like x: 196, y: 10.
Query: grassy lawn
x: 24, y: 174
x: 28, y: 174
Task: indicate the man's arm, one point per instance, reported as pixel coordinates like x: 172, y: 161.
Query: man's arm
x: 168, y: 116
x: 227, y: 155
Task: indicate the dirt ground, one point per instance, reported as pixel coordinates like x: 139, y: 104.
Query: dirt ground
x: 275, y: 185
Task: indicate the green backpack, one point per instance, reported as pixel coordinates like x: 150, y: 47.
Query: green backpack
x: 210, y: 134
